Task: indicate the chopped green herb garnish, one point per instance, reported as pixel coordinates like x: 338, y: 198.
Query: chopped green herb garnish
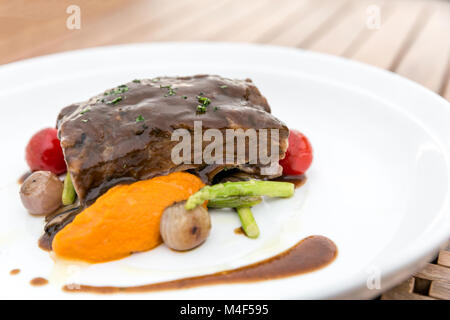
x: 184, y: 97
x: 223, y: 86
x: 84, y: 120
x: 116, y: 100
x: 201, y: 108
x: 204, y: 103
x: 120, y: 89
x: 216, y: 108
x: 204, y: 100
x: 87, y: 109
x: 137, y: 81
x: 170, y: 92
x: 140, y: 118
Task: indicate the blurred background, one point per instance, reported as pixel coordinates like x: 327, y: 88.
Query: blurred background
x: 408, y: 37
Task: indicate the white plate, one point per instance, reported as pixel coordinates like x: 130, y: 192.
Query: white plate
x: 378, y: 187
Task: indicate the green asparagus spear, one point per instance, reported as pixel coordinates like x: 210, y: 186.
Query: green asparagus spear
x: 234, y: 202
x: 68, y: 195
x: 248, y: 222
x: 241, y: 188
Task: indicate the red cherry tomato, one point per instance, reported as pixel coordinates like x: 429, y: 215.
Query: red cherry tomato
x: 298, y: 155
x: 44, y: 152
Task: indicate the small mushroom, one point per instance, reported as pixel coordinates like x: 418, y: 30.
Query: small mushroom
x: 182, y: 229
x: 41, y: 192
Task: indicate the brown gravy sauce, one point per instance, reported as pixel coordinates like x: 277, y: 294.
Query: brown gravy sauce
x: 309, y: 254
x: 239, y: 230
x: 45, y: 242
x: 13, y: 272
x: 37, y: 282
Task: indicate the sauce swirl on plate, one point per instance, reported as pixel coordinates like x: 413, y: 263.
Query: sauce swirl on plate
x: 308, y: 255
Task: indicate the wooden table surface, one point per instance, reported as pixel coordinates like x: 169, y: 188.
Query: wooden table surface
x: 412, y: 39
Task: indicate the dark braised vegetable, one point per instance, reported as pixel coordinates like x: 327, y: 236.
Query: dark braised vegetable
x: 56, y: 221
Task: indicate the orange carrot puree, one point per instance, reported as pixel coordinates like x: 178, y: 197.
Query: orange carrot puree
x: 123, y: 220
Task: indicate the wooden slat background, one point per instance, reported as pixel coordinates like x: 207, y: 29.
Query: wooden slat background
x: 413, y: 40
